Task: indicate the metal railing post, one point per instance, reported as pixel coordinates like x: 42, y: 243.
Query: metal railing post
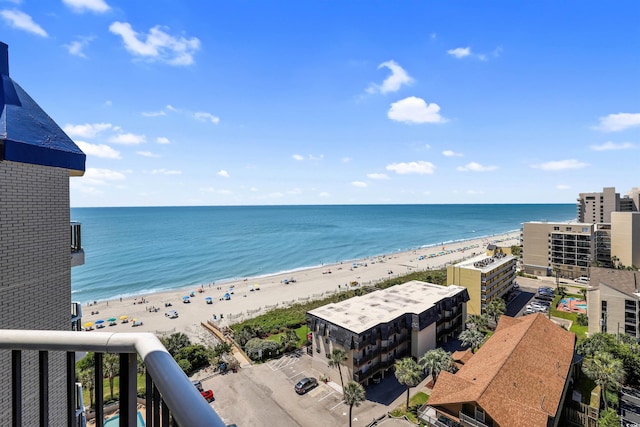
x: 99, y: 388
x: 128, y: 389
x: 71, y: 388
x: 43, y: 368
x: 16, y: 388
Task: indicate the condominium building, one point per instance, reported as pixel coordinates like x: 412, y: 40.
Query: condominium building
x: 484, y: 277
x: 613, y: 301
x: 36, y: 160
x: 625, y: 238
x: 567, y: 248
x: 378, y: 328
x: 597, y: 207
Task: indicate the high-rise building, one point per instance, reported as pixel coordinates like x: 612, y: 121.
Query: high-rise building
x: 625, y: 238
x: 597, y: 207
x: 37, y: 243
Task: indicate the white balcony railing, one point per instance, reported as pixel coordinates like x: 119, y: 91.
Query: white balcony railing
x: 170, y: 396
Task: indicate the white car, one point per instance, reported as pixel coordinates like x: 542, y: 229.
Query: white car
x: 171, y: 314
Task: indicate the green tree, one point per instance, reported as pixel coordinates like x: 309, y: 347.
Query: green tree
x: 175, y: 342
x: 600, y: 341
x: 435, y: 361
x: 582, y: 319
x: 353, y: 395
x: 606, y: 371
x: 496, y: 308
x: 111, y: 366
x: 289, y: 341
x: 516, y: 250
x: 471, y: 338
x: 583, y: 292
x: 477, y: 321
x: 88, y: 380
x: 608, y: 418
x: 409, y: 373
x: 336, y: 358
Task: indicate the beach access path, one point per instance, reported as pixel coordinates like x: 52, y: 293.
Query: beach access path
x: 312, y: 283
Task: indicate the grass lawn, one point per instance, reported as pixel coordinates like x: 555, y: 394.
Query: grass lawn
x: 116, y: 384
x: 301, y: 332
x: 580, y: 331
x: 415, y: 403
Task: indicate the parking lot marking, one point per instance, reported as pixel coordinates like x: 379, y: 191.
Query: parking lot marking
x: 338, y: 404
x: 293, y: 376
x: 327, y: 395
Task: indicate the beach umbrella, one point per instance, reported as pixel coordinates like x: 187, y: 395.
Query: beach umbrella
x: 124, y: 317
x: 99, y: 322
x: 186, y: 297
x: 88, y: 324
x: 111, y: 319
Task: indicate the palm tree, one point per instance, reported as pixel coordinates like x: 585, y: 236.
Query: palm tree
x: 87, y: 378
x: 111, y: 364
x: 471, y: 338
x: 477, y: 321
x: 496, y: 308
x: 605, y: 370
x: 353, y: 395
x: 436, y: 361
x: 336, y: 358
x: 583, y: 292
x: 409, y: 373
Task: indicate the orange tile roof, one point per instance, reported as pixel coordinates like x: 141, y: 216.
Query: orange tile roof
x: 517, y: 377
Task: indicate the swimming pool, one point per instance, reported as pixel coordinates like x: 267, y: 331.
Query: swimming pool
x: 115, y: 421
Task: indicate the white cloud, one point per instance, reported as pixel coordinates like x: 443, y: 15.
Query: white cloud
x: 87, y: 130
x: 449, y: 153
x: 153, y: 113
x: 476, y: 167
x: 204, y: 117
x: 618, y: 122
x: 294, y: 191
x: 87, y: 5
x: 609, y: 145
x: 415, y: 110
x: 359, y: 184
x: 420, y: 168
x: 147, y: 154
x: 128, y: 139
x: 320, y: 157
x: 377, y: 176
x: 298, y: 157
x: 560, y: 165
x: 563, y: 187
x: 101, y: 176
x: 394, y: 82
x: 223, y: 173
x: 324, y: 194
x: 460, y: 52
x: 22, y: 21
x: 157, y: 44
x: 98, y: 150
x: 165, y: 172
x: 76, y: 47
x: 162, y: 140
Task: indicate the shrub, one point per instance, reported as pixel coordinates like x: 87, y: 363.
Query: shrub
x: 582, y: 319
x: 185, y: 366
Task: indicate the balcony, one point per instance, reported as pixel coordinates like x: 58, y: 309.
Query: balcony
x: 77, y: 253
x: 76, y: 316
x: 469, y: 420
x: 170, y: 397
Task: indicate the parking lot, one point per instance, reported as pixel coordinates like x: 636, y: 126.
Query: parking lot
x: 263, y: 395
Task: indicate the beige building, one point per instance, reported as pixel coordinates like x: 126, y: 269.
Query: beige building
x: 36, y: 160
x: 484, y: 277
x: 613, y: 301
x: 597, y: 207
x: 567, y: 247
x: 378, y: 328
x: 625, y: 238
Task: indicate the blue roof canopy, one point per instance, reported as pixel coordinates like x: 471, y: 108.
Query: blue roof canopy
x: 27, y: 133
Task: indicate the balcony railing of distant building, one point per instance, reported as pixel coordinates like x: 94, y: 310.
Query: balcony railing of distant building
x: 170, y: 395
x: 77, y: 253
x: 76, y: 316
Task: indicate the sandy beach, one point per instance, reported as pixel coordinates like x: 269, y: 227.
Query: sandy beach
x: 312, y: 283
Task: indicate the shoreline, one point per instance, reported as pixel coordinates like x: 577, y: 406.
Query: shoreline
x: 310, y: 283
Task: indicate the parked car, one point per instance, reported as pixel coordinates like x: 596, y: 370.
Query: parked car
x: 208, y: 395
x: 171, y: 314
x: 305, y: 384
x: 544, y: 297
x: 582, y: 280
x: 197, y: 384
x: 545, y: 289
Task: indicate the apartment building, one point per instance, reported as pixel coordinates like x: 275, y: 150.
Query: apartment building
x: 38, y: 245
x: 613, y: 301
x: 625, y: 238
x: 567, y: 248
x: 378, y: 328
x: 597, y: 207
x: 514, y: 379
x: 484, y: 277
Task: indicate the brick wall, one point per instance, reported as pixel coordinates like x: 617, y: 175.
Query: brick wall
x: 35, y: 276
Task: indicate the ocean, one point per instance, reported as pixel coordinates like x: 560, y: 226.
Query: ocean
x: 137, y: 250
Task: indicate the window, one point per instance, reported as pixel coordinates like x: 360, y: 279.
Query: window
x: 629, y: 305
x: 479, y: 414
x: 556, y: 228
x: 568, y: 228
x: 585, y: 229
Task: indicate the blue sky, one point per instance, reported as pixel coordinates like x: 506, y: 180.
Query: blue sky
x: 335, y: 102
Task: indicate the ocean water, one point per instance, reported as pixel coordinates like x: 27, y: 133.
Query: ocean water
x: 137, y: 250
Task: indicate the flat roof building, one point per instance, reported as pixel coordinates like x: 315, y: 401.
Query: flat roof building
x: 484, y: 277
x: 377, y: 328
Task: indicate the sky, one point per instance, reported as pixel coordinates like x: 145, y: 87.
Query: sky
x: 335, y: 102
